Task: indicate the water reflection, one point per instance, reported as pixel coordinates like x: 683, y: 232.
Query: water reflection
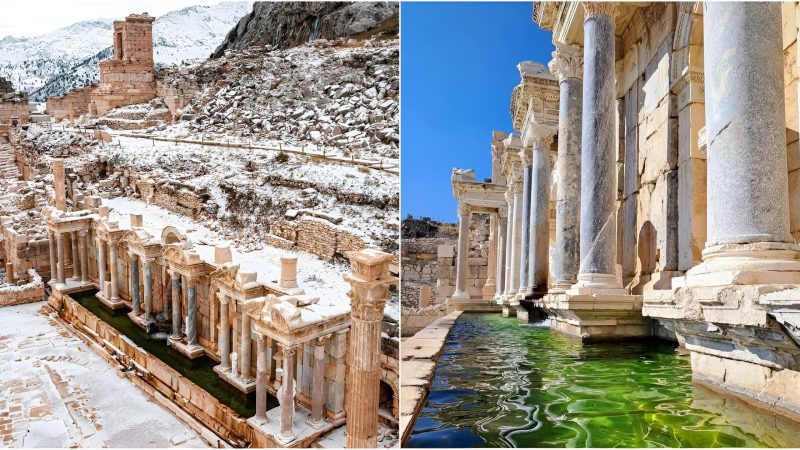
x: 501, y: 383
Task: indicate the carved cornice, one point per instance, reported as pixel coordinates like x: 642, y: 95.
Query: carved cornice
x: 689, y: 77
x: 592, y: 9
x: 567, y: 62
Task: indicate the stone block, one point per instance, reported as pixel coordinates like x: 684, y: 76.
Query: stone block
x: 446, y: 251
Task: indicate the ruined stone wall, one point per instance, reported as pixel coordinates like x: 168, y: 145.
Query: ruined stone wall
x: 71, y: 105
x: 14, y: 106
x: 26, y: 252
x: 178, y: 90
x: 322, y: 238
x: 648, y: 148
x: 30, y: 292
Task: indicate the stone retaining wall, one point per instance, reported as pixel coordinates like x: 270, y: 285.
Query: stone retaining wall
x: 33, y: 291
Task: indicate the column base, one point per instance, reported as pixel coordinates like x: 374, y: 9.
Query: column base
x: 597, y: 284
x: 246, y: 386
x: 303, y: 434
x: 597, y: 317
x: 138, y: 319
x: 473, y: 305
x: 316, y: 424
x: 190, y: 351
x: 756, y: 263
x: 113, y: 303
x: 488, y: 290
x: 509, y: 311
x: 460, y: 295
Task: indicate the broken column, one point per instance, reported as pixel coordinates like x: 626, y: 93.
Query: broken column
x: 59, y: 184
x: 368, y: 294
x: 288, y: 272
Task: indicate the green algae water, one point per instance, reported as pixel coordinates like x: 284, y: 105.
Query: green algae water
x: 504, y: 383
x: 199, y: 370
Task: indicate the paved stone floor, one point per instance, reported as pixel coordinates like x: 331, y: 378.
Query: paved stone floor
x: 56, y: 392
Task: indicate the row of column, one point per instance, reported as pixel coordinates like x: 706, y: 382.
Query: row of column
x: 177, y: 281
x: 747, y: 166
x: 58, y: 257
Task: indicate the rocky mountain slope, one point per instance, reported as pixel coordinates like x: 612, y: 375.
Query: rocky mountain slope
x: 55, y: 63
x: 286, y: 24
x: 340, y: 98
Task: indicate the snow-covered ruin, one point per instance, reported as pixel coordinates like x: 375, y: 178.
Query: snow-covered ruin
x: 244, y: 216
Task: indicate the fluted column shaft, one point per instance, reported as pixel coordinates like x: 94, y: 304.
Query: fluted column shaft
x: 567, y: 64
x: 462, y: 257
x: 598, y: 241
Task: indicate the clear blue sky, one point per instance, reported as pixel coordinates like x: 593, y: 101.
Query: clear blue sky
x: 459, y: 66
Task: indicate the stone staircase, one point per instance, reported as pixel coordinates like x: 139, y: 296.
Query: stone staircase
x: 8, y: 169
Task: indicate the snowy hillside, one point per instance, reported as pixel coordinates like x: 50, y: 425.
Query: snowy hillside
x: 56, y: 63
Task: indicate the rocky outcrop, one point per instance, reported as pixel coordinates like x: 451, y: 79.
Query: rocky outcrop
x: 287, y: 24
x: 5, y: 86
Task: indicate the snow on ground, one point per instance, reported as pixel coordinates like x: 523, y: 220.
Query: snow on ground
x: 56, y: 392
x: 317, y: 277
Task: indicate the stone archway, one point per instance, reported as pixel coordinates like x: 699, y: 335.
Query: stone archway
x: 688, y: 84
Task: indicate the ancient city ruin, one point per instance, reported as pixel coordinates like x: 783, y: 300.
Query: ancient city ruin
x: 648, y: 192
x: 234, y: 261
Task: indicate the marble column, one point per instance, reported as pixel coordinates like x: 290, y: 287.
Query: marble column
x: 490, y: 286
x: 191, y: 312
x: 76, y: 263
x: 135, y: 303
x: 176, y: 305
x: 83, y: 254
x: 148, y: 289
x: 53, y: 256
x: 540, y: 212
x: 112, y: 247
x: 369, y: 291
x: 567, y: 65
x: 287, y: 398
x: 598, y: 224
x: 748, y: 200
x: 509, y: 195
x: 101, y: 263
x: 516, y: 239
x: 244, y: 353
x: 224, y: 333
x: 261, y: 378
x: 501, y: 254
x: 62, y: 258
x: 462, y: 256
x: 525, y: 224
x: 318, y: 384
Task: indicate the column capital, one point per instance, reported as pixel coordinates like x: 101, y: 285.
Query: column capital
x: 262, y: 338
x: 191, y: 282
x: 82, y: 233
x: 223, y: 299
x: 591, y: 9
x: 509, y: 196
x: 525, y: 156
x: 542, y: 136
x: 59, y: 236
x: 321, y: 340
x: 463, y: 210
x: 502, y: 213
x: 567, y: 62
x: 369, y: 283
x: 289, y: 350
